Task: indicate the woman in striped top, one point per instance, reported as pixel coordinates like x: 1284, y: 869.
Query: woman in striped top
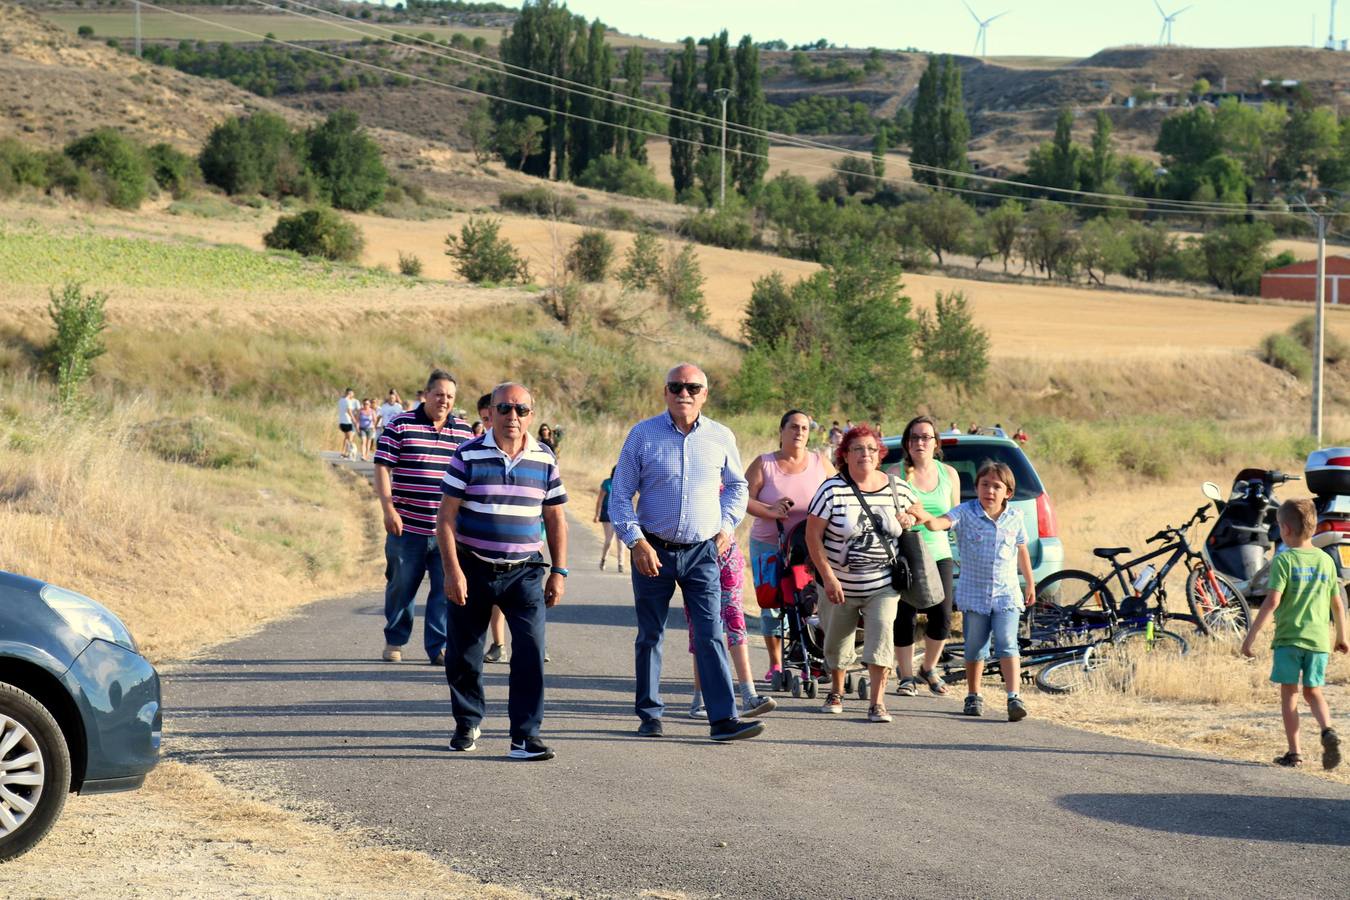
x: 853, y: 563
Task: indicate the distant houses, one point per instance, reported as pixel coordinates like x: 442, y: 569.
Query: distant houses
x: 1298, y: 281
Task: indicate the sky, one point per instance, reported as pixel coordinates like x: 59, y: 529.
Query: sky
x: 1031, y: 28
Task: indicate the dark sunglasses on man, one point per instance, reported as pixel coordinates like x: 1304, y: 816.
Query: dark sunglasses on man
x: 522, y: 409
x: 678, y: 387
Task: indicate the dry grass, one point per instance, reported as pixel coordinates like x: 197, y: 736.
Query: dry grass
x: 812, y: 164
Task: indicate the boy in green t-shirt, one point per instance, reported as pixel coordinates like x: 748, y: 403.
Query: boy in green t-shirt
x: 1304, y: 594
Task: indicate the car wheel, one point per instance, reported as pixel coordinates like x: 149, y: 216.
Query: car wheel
x: 34, y: 771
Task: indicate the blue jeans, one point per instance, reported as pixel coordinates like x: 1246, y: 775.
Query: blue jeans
x: 407, y: 559
x: 519, y: 593
x: 999, y: 626
x: 699, y: 576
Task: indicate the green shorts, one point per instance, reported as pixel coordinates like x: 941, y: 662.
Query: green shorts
x: 1291, y: 662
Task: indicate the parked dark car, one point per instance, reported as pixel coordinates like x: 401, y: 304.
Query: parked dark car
x: 79, y: 707
x: 965, y: 453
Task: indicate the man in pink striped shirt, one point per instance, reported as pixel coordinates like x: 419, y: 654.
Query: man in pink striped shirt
x: 410, y: 461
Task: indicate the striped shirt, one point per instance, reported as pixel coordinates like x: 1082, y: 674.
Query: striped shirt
x: 857, y: 556
x: 417, y: 456
x: 689, y: 486
x: 988, y: 551
x: 501, y: 512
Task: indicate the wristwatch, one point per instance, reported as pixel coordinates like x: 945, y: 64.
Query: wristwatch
x: 558, y: 570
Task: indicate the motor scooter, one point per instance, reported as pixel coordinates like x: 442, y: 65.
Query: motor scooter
x: 1328, y: 475
x: 1241, y: 542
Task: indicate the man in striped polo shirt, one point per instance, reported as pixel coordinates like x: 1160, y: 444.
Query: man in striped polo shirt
x: 499, y: 488
x: 412, y: 455
x: 691, y: 492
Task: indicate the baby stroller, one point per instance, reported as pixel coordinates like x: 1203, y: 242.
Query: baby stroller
x: 797, y: 596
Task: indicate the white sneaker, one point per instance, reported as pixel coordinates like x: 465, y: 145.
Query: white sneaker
x: 392, y: 653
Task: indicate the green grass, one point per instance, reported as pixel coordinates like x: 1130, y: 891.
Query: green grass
x: 42, y: 258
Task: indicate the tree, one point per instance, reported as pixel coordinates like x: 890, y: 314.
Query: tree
x: 631, y: 142
x: 879, y: 148
x: 481, y: 254
x: 942, y: 222
x: 1154, y: 246
x: 1235, y: 256
x: 684, y: 102
x: 1251, y: 134
x: 520, y: 139
x: 768, y: 315
x: 750, y: 160
x: 1311, y: 135
x: 924, y: 138
x: 1106, y: 248
x: 1101, y: 166
x: 79, y: 321
x: 681, y: 283
x: 953, y: 127
x: 590, y: 255
x: 346, y: 161
x: 1004, y: 225
x: 540, y: 41
x: 117, y: 162
x: 1064, y: 155
x: 317, y: 232
x: 951, y: 346
x: 642, y: 263
x: 1048, y: 242
x: 479, y: 131
x: 855, y: 174
x: 257, y: 154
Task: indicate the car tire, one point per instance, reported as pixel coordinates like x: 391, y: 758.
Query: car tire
x: 28, y: 732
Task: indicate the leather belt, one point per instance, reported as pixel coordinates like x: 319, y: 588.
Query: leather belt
x: 664, y: 544
x: 494, y: 566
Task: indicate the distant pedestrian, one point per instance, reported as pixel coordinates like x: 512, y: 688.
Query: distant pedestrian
x: 365, y: 425
x: 346, y: 419
x: 602, y: 516
x: 478, y: 428
x: 952, y: 429
x: 974, y: 428
x: 673, y: 464
x: 392, y: 406
x: 836, y: 434
x: 1303, y: 585
x: 998, y: 431
x: 499, y: 490
x: 421, y: 398
x: 496, y: 651
x: 1020, y: 436
x: 548, y: 438
x: 411, y: 457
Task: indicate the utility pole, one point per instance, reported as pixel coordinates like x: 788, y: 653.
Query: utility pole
x: 137, y: 5
x: 1318, y: 351
x: 723, y: 94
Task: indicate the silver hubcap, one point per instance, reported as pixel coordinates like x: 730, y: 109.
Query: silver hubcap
x: 21, y: 775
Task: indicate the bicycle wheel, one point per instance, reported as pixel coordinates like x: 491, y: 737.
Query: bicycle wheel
x: 1103, y: 666
x: 1069, y: 599
x: 1063, y: 676
x: 1219, y: 608
x: 1138, y: 641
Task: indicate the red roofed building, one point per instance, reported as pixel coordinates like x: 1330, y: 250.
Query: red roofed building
x: 1299, y: 281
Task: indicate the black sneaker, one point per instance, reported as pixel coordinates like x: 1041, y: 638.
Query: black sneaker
x: 974, y: 705
x: 465, y: 738
x: 1331, y: 748
x: 1017, y: 710
x: 530, y: 749
x: 735, y: 730
x: 650, y: 728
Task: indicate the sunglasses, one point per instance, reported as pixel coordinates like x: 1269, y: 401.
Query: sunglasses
x: 522, y: 409
x: 677, y: 387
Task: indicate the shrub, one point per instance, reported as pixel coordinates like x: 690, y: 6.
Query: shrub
x: 172, y: 169
x: 642, y: 263
x: 85, y: 31
x: 1334, y: 348
x: 317, y: 232
x: 346, y: 162
x: 538, y: 201
x: 618, y: 217
x: 79, y: 322
x: 1283, y: 351
x: 21, y: 166
x: 728, y: 226
x: 409, y: 264
x: 951, y: 345
x: 117, y: 162
x: 590, y: 256
x: 624, y: 176
x: 481, y: 254
x: 682, y: 283
x: 257, y: 154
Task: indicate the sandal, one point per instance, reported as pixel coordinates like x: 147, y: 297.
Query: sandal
x: 907, y: 687
x: 1290, y: 760
x: 935, y: 683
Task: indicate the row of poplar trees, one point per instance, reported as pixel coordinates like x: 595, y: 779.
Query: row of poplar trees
x: 564, y: 65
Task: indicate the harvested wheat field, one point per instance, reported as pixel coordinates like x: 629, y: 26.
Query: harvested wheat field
x: 812, y: 164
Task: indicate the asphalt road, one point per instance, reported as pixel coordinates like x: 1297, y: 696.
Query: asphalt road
x: 934, y: 804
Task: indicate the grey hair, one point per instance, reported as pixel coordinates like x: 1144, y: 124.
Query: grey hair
x: 511, y: 384
x: 686, y: 365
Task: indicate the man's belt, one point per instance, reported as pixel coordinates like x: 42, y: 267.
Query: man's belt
x: 502, y: 566
x: 670, y: 546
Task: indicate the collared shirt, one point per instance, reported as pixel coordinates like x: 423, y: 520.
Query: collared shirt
x: 688, y: 486
x: 417, y: 456
x: 502, y: 499
x: 988, y: 549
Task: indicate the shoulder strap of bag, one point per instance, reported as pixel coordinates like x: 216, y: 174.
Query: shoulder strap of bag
x: 876, y: 520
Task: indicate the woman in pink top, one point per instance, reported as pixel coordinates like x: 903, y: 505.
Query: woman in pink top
x: 781, y: 487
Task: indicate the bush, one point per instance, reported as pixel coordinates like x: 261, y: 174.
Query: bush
x: 618, y: 217
x: 1334, y: 348
x: 682, y: 283
x: 85, y: 31
x: 590, y: 256
x: 728, y: 226
x: 257, y: 154
x: 642, y: 263
x: 409, y: 264
x: 951, y: 346
x: 1283, y: 351
x: 624, y: 176
x: 79, y: 322
x: 117, y: 162
x: 317, y: 232
x: 21, y: 166
x: 346, y: 162
x: 173, y: 170
x: 481, y: 255
x: 538, y: 201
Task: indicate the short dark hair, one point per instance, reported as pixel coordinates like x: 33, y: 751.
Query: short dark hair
x: 782, y: 423
x: 485, y: 401
x: 440, y: 375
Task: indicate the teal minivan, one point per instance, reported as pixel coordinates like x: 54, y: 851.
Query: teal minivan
x: 965, y: 453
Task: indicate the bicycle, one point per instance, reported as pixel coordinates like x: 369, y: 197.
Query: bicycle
x: 1077, y: 598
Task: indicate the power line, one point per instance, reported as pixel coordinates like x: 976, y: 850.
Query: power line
x: 1194, y: 210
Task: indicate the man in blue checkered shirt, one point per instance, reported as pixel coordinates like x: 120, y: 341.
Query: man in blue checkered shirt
x: 686, y: 473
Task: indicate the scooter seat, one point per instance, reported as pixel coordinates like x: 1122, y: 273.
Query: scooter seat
x: 1109, y: 552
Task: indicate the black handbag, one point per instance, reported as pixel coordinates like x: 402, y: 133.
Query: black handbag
x: 901, y: 578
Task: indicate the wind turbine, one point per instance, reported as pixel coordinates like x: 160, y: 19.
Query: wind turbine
x: 982, y: 36
x: 1165, y: 36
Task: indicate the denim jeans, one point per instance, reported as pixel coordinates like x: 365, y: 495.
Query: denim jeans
x: 407, y: 559
x: 698, y: 574
x: 999, y: 627
x: 519, y: 593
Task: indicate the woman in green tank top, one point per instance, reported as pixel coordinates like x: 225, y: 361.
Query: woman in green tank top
x: 938, y: 487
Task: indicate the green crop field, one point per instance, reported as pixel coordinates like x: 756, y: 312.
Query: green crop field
x: 31, y: 256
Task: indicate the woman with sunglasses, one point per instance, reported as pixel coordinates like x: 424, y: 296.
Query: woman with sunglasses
x: 853, y: 518
x: 938, y: 488
x: 781, y: 486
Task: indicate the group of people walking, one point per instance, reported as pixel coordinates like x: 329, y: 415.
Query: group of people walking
x: 472, y: 513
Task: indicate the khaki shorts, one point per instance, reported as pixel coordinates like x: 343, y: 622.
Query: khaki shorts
x: 841, y: 622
